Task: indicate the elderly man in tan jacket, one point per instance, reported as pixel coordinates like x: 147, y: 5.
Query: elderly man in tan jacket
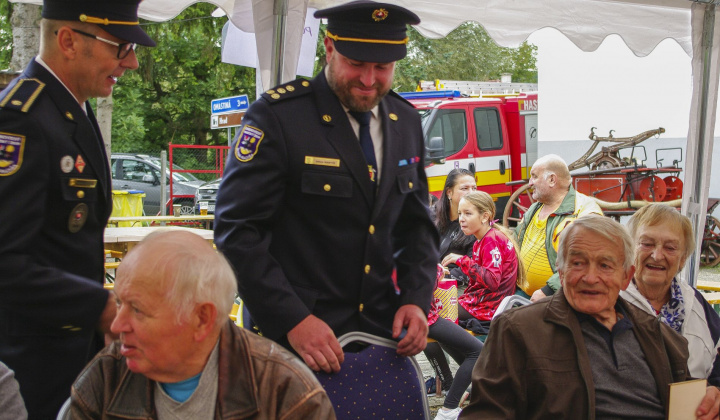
x: 179, y: 356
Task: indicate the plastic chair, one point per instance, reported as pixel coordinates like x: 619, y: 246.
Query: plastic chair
x: 64, y: 413
x: 510, y: 302
x: 375, y: 382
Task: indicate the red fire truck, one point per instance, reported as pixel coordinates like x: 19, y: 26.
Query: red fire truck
x: 494, y: 136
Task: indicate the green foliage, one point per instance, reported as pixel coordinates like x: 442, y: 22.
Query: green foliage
x: 467, y: 53
x: 6, y: 44
x: 167, y: 99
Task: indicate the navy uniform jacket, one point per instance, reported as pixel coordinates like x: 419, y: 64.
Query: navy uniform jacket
x: 299, y: 220
x: 56, y: 201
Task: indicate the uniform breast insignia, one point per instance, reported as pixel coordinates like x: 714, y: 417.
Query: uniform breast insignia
x: 12, y: 147
x: 405, y: 162
x: 248, y: 143
x: 78, y: 216
x: 22, y: 96
x: 80, y: 164
x: 289, y: 90
x: 67, y: 163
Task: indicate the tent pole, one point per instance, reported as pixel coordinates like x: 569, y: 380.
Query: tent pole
x: 695, y: 205
x: 280, y: 11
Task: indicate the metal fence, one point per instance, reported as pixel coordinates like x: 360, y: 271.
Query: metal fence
x: 204, y: 162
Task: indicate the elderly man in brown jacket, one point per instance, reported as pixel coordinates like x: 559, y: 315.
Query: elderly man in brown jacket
x: 179, y: 356
x: 584, y: 353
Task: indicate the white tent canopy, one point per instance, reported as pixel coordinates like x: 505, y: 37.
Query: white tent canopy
x: 642, y: 24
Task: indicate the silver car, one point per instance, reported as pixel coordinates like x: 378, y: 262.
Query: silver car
x: 206, y: 194
x: 142, y: 172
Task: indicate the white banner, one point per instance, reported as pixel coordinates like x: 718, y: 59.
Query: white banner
x: 240, y: 48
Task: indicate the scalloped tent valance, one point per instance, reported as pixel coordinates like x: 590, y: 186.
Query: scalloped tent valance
x: 642, y: 24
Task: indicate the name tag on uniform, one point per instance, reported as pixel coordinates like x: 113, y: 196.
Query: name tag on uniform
x: 82, y: 183
x: 321, y: 161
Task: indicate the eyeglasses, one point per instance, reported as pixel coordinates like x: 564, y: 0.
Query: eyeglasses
x: 123, y: 49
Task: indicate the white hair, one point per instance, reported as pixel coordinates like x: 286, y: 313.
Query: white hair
x: 191, y: 272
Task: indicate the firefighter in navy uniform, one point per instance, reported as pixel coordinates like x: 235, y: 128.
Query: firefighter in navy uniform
x: 56, y: 197
x: 318, y: 207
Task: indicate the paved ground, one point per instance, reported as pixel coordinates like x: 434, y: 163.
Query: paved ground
x: 436, y: 402
x: 428, y: 372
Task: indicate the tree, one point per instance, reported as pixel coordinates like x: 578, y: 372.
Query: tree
x: 467, y: 53
x: 167, y: 99
x: 6, y: 44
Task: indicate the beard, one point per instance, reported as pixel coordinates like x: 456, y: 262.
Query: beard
x: 343, y: 89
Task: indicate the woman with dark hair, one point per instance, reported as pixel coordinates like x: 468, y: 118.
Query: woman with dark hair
x: 459, y: 182
x: 452, y: 240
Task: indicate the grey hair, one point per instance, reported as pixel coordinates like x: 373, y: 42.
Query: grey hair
x: 189, y: 275
x: 662, y: 214
x: 600, y: 226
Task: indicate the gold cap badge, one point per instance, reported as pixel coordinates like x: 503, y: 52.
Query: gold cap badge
x: 379, y: 14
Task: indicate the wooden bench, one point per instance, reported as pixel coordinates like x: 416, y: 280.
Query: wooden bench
x: 713, y: 298
x: 711, y: 286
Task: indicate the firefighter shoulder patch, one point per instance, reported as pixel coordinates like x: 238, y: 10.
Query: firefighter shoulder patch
x: 248, y: 143
x: 12, y: 147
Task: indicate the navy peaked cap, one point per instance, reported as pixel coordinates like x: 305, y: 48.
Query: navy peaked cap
x: 369, y: 31
x: 116, y: 17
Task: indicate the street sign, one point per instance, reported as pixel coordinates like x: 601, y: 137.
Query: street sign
x: 231, y: 104
x: 232, y: 119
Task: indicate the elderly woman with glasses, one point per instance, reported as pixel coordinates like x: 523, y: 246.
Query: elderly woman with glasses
x: 663, y: 241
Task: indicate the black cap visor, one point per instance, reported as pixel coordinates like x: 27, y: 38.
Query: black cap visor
x: 129, y: 33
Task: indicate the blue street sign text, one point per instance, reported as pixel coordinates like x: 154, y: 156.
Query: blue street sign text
x: 232, y: 104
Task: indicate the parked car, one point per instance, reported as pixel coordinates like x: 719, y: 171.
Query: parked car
x: 206, y: 194
x: 142, y: 172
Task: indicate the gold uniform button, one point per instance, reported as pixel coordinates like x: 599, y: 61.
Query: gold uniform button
x: 81, y: 194
x: 281, y: 90
x: 361, y: 307
x: 270, y: 92
x: 367, y: 269
x: 290, y: 88
x: 305, y: 83
x: 326, y: 118
x: 371, y: 230
x: 16, y: 102
x: 327, y: 187
x: 275, y: 96
x: 410, y: 185
x: 393, y: 117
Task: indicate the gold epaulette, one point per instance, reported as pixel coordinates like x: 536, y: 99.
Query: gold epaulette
x: 22, y: 96
x: 288, y: 90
